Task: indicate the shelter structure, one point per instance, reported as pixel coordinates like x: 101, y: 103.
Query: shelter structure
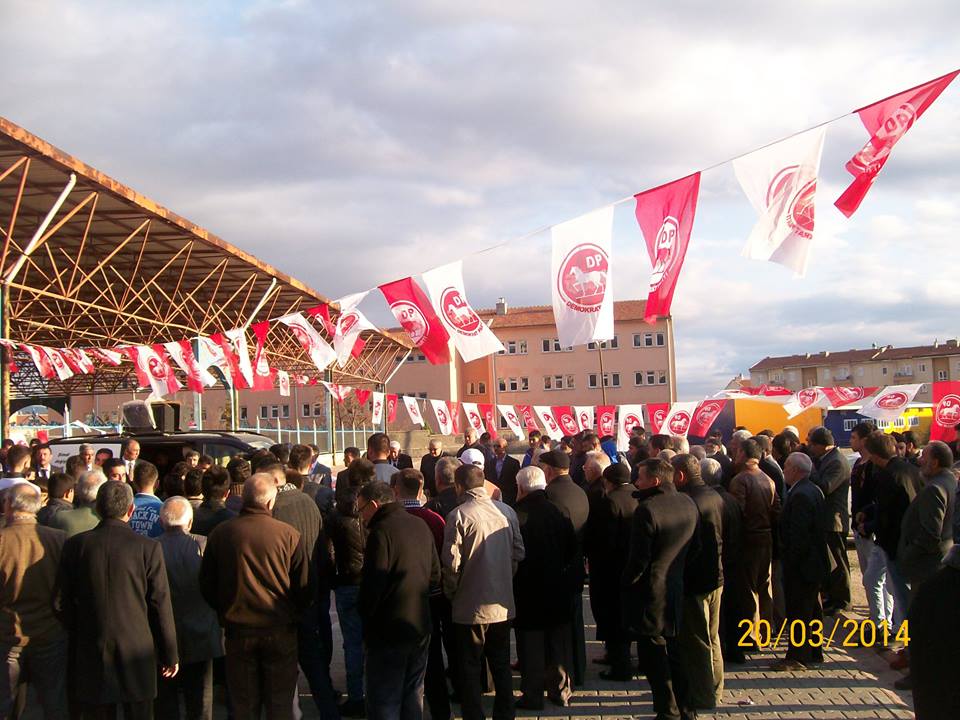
x: 88, y: 262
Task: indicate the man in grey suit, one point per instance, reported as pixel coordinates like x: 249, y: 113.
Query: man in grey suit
x: 926, y: 533
x: 803, y: 551
x: 199, y: 637
x: 833, y: 478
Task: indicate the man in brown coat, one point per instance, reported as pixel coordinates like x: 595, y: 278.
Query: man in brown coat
x: 256, y: 575
x: 756, y: 495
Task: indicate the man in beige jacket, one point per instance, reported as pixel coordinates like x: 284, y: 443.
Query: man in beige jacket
x: 481, y: 550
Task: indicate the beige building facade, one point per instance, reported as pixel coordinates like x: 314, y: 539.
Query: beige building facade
x: 874, y: 367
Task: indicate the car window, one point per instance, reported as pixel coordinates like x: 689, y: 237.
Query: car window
x: 221, y: 452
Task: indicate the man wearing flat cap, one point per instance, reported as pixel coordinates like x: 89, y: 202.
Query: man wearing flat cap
x: 572, y: 501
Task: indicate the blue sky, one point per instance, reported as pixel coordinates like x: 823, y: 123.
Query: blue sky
x: 353, y: 143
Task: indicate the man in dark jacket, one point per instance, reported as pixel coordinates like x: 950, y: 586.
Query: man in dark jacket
x: 256, y: 575
x: 610, y: 525
x: 199, y: 637
x: 301, y: 461
x: 213, y: 510
x: 505, y: 469
x: 400, y: 569
x: 935, y: 643
x: 428, y: 464
x: 805, y: 558
x: 542, y: 623
x: 700, y: 686
x: 664, y: 529
x: 572, y: 501
x: 446, y: 498
x: 116, y: 606
x: 833, y: 478
x: 59, y: 497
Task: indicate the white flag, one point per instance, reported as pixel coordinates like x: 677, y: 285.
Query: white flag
x: 413, y: 409
x: 474, y: 419
x: 469, y: 333
x: 211, y: 355
x: 321, y: 354
x: 283, y: 381
x: 584, y: 415
x: 678, y: 419
x: 781, y: 183
x: 339, y: 392
x: 442, y: 413
x: 509, y: 413
x: 238, y: 339
x: 581, y: 278
x: 803, y: 400
x: 350, y: 323
x: 376, y: 414
x: 890, y: 402
x: 631, y: 416
x: 59, y: 364
x: 548, y: 421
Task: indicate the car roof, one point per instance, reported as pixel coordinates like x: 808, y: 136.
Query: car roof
x: 250, y: 438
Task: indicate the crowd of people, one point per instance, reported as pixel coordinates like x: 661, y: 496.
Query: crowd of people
x: 124, y: 589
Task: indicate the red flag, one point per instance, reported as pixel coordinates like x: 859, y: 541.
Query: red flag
x: 391, y: 408
x: 362, y: 396
x: 416, y: 315
x: 489, y: 418
x: 607, y: 420
x: 565, y: 418
x: 323, y: 312
x: 358, y: 347
x: 60, y: 365
x: 842, y: 395
x: 40, y: 359
x: 111, y: 357
x: 455, y: 416
x: 946, y: 411
x: 887, y: 121
x: 665, y: 215
x: 182, y: 354
x: 78, y: 360
x: 704, y: 416
x: 657, y: 412
x: 526, y: 414
x: 262, y: 377
x: 236, y: 376
x: 153, y: 369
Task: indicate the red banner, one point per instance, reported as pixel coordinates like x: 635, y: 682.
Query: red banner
x: 704, y: 416
x: 416, y: 315
x: 391, y: 408
x: 182, y: 354
x: 607, y: 420
x: 40, y: 359
x: 842, y: 395
x: 362, y: 396
x: 946, y: 411
x: 665, y: 215
x: 489, y: 415
x: 887, y: 121
x: 455, y: 416
x: 657, y: 412
x: 239, y: 382
x: 526, y: 415
x: 262, y: 377
x: 565, y: 418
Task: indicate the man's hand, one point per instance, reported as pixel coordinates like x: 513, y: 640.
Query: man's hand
x: 169, y: 671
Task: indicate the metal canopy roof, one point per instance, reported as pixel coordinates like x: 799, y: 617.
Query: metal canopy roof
x: 115, y: 268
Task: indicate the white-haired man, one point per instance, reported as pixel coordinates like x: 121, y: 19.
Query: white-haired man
x: 805, y: 557
x: 83, y: 517
x: 542, y: 624
x: 399, y: 459
x: 33, y: 643
x: 199, y: 638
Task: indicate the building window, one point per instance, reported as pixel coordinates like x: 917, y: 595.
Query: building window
x: 416, y: 357
x: 481, y: 388
x: 306, y: 410
x: 923, y: 367
x: 274, y: 411
x: 553, y: 345
x: 638, y: 378
x: 243, y: 413
x: 941, y: 374
x: 524, y: 384
x: 914, y: 420
x: 264, y: 412
x: 777, y: 377
x: 651, y: 377
x: 422, y: 395
x: 317, y: 410
x: 609, y: 380
x: 285, y: 411
x: 513, y: 384
x: 605, y: 344
x: 558, y: 382
x: 514, y: 347
x: 883, y: 371
x: 662, y: 377
x: 850, y: 424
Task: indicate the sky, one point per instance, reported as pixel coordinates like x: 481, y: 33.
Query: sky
x: 349, y: 144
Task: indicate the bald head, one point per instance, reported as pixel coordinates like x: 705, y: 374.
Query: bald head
x: 260, y: 491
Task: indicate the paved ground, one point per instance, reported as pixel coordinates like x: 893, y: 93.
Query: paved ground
x: 852, y: 683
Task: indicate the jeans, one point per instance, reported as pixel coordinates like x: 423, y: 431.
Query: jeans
x: 395, y: 681
x: 351, y: 627
x: 901, y: 592
x: 314, y: 652
x: 876, y: 579
x: 43, y: 666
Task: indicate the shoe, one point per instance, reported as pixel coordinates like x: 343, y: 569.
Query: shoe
x: 787, y: 666
x: 515, y: 666
x: 525, y: 703
x: 353, y: 709
x: 900, y: 662
x: 611, y: 676
x: 904, y: 683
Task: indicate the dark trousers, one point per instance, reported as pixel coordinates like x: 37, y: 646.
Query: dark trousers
x: 803, y: 604
x: 655, y: 665
x: 618, y: 653
x: 731, y: 613
x: 142, y: 710
x: 837, y: 586
x: 43, y: 666
x: 195, y: 680
x: 755, y: 577
x: 545, y: 657
x: 314, y: 652
x: 578, y: 640
x: 262, y: 672
x: 435, y: 682
x: 395, y: 675
x: 493, y: 642
x: 351, y: 627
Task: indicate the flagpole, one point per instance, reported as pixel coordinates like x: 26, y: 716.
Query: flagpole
x: 603, y: 385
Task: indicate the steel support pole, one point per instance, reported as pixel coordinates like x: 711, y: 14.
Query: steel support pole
x: 5, y: 366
